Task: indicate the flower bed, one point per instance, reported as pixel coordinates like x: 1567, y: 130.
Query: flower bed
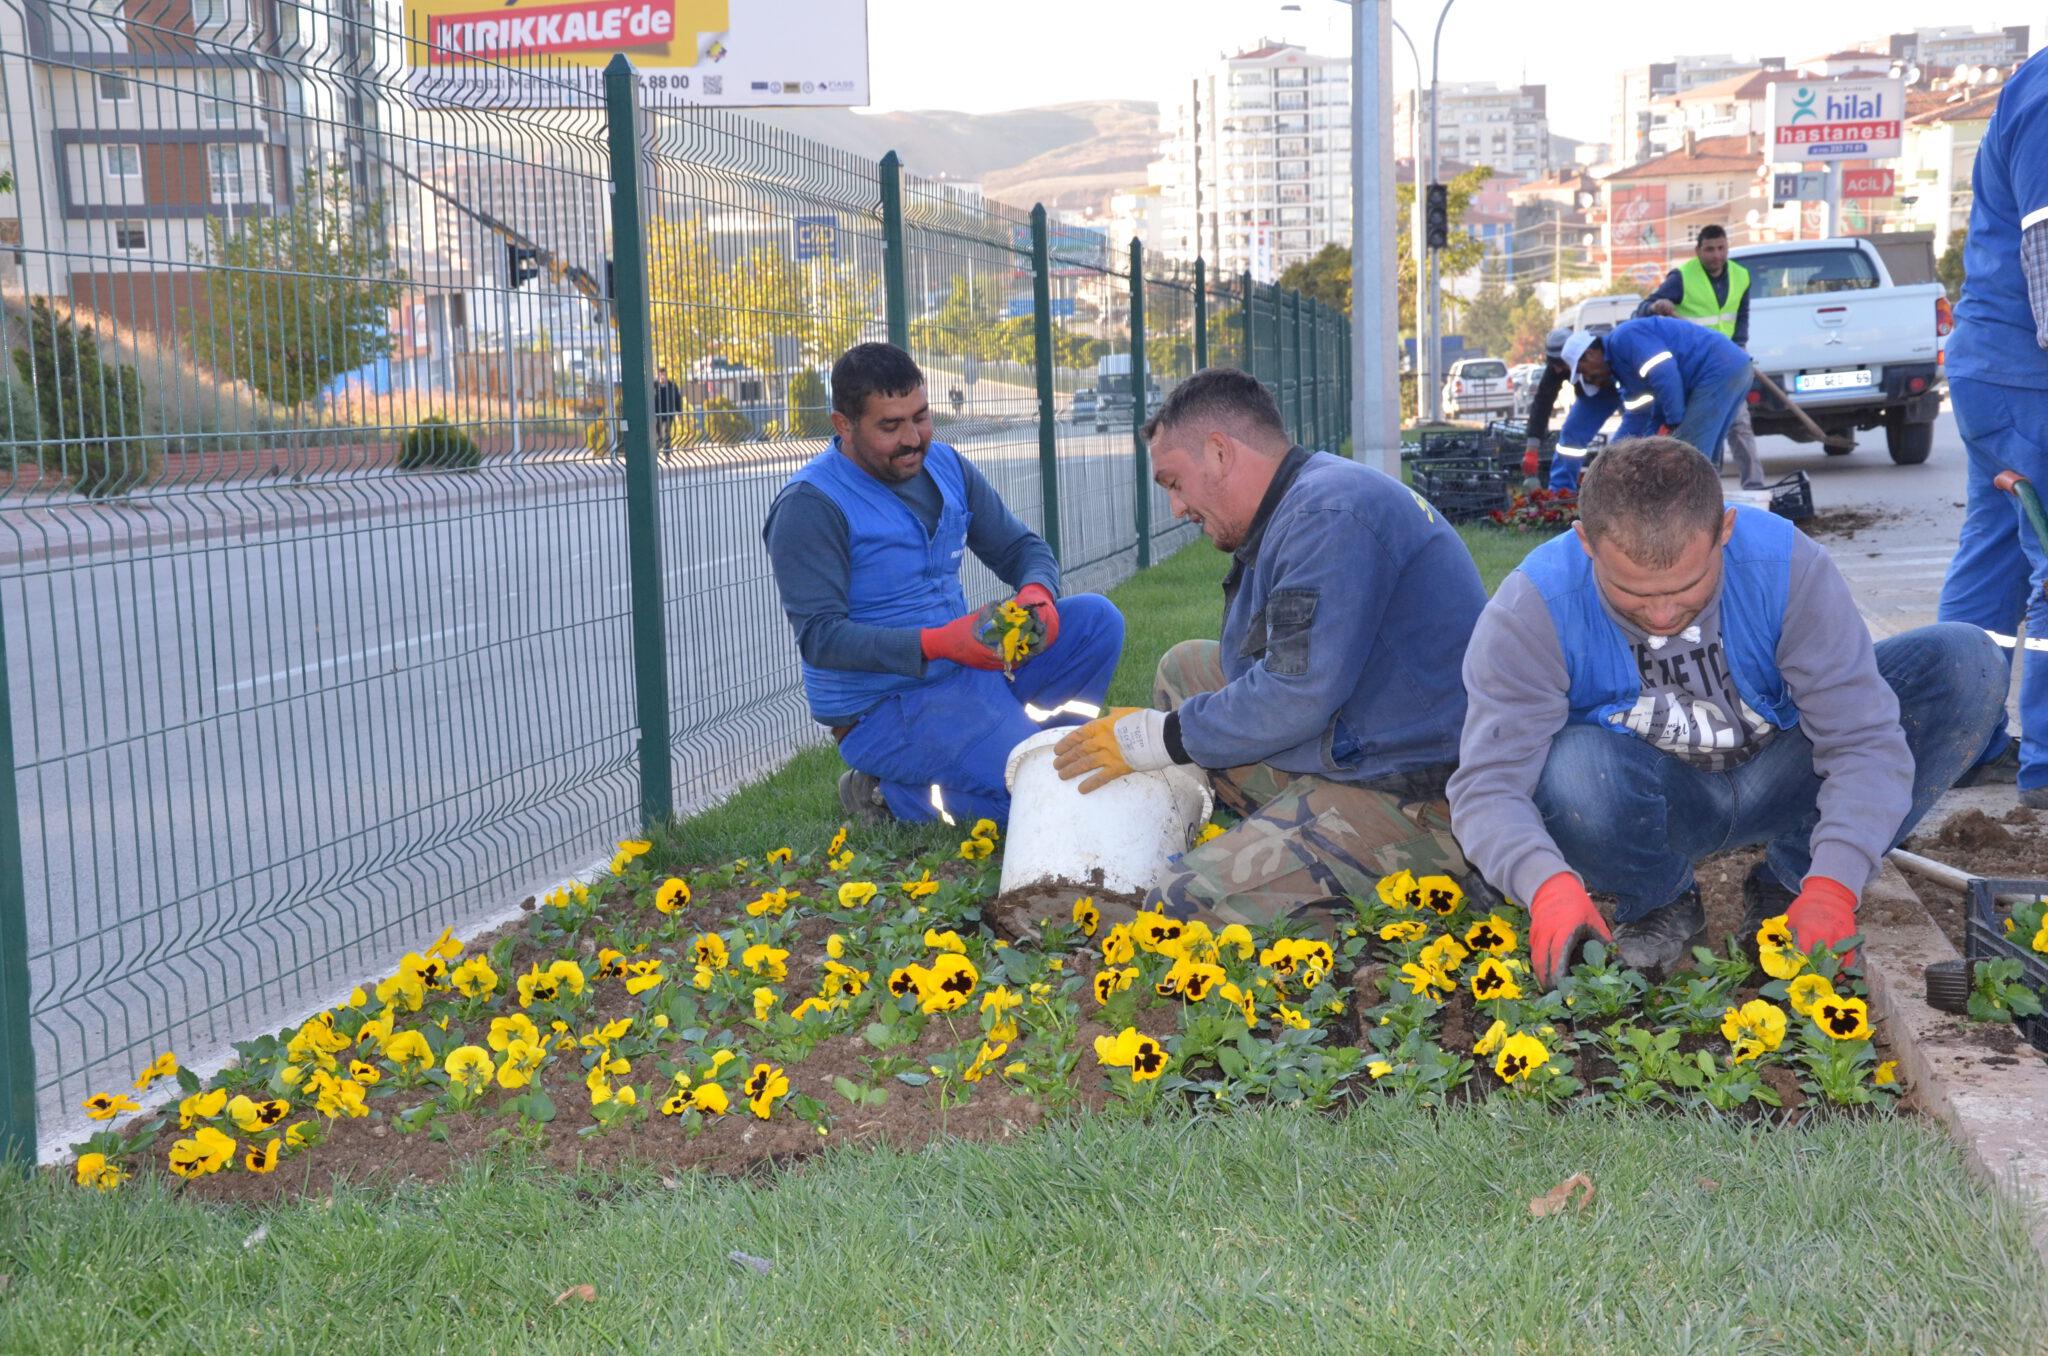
x: 762, y: 1010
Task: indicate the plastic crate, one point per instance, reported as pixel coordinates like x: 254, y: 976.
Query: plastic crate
x: 1464, y: 488
x: 1790, y: 498
x: 1984, y: 938
x: 1459, y: 442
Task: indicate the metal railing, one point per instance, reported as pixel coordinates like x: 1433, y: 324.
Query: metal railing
x: 381, y: 481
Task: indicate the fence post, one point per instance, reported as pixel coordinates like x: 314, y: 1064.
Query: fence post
x: 1300, y: 422
x: 636, y: 436
x: 1139, y: 414
x: 1244, y: 291
x: 1048, y: 414
x: 894, y: 289
x: 17, y: 1051
x: 1346, y: 429
x: 1201, y: 315
x: 1315, y: 366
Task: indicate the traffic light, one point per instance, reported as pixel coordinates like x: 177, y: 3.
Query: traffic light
x: 522, y: 262
x: 1436, y: 216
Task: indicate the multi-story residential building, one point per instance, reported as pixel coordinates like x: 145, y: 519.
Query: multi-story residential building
x: 1264, y: 140
x: 1960, y: 45
x: 1653, y: 211
x: 1642, y: 86
x: 133, y: 123
x: 1935, y: 162
x: 1505, y: 128
x: 1733, y: 107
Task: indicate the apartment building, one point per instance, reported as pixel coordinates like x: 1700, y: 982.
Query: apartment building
x: 1960, y: 45
x: 1505, y: 128
x: 132, y: 123
x: 1653, y: 211
x: 1263, y: 140
x: 1640, y: 88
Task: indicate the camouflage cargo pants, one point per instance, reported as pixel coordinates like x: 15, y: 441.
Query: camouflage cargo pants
x: 1300, y: 838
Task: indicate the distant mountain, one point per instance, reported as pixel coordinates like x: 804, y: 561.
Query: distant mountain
x: 1066, y: 155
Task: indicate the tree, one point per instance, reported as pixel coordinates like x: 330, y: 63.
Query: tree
x: 1325, y: 277
x: 298, y: 297
x: 1460, y: 257
x: 1948, y: 270
x: 704, y: 305
x: 88, y: 411
x: 1506, y: 324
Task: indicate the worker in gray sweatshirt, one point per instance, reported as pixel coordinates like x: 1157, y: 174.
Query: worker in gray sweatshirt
x: 1676, y: 678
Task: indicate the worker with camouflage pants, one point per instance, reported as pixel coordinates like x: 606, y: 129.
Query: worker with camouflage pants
x: 1327, y: 719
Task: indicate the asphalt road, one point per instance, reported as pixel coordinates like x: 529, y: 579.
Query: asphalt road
x: 270, y: 736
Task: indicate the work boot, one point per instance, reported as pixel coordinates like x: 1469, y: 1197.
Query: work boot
x: 1658, y: 942
x: 2004, y: 769
x: 861, y: 797
x: 1762, y: 897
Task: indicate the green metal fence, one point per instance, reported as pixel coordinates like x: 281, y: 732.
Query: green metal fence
x: 391, y: 544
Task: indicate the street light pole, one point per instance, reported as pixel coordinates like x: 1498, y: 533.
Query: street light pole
x: 1375, y: 309
x: 1417, y: 249
x: 1436, y: 394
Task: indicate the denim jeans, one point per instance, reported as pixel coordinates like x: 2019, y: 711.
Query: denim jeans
x: 1999, y: 576
x: 1710, y: 412
x: 956, y: 732
x: 1632, y: 819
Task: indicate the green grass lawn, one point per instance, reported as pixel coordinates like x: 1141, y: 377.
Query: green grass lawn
x: 1377, y: 1230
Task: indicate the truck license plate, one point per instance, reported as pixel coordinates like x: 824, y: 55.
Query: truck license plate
x: 1831, y: 381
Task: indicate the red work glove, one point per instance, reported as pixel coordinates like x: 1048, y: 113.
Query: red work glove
x: 1529, y: 456
x: 1561, y: 919
x: 956, y: 641
x: 1824, y: 912
x: 1039, y: 598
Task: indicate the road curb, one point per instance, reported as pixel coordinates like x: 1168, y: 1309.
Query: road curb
x: 1992, y: 1112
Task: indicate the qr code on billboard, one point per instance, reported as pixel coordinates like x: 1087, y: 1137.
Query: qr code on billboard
x: 714, y: 84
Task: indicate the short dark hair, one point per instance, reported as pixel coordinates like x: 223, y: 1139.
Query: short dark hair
x: 871, y: 369
x: 1219, y: 395
x: 1711, y: 231
x: 1651, y: 497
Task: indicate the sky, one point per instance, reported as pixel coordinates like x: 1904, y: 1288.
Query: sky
x: 980, y: 56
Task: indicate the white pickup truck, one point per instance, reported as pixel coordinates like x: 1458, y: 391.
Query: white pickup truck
x: 1854, y: 349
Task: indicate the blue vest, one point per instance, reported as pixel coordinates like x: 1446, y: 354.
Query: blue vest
x: 902, y: 576
x: 1756, y: 576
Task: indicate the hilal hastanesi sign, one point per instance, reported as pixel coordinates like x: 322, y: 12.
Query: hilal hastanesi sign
x: 551, y: 53
x: 1836, y: 119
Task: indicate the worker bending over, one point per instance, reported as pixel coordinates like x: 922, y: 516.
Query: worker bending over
x: 1327, y: 719
x: 1676, y: 678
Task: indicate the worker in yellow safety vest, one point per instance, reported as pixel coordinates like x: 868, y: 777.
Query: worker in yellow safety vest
x: 1711, y: 289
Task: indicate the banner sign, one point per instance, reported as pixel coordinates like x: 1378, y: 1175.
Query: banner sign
x: 1636, y: 226
x: 1836, y: 119
x: 736, y: 53
x: 1867, y: 183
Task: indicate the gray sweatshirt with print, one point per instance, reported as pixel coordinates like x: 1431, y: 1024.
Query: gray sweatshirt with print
x: 1516, y: 685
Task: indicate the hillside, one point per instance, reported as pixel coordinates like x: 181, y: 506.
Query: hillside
x: 1067, y: 155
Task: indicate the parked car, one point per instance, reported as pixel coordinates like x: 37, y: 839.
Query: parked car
x: 1525, y: 376
x: 1599, y: 314
x: 1852, y: 348
x: 1083, y: 408
x: 1478, y: 386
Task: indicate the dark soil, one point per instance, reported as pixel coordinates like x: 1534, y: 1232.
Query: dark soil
x: 2012, y: 846
x: 1843, y: 522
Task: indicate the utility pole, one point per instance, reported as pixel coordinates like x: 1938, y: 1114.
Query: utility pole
x: 1195, y: 104
x: 1375, y: 304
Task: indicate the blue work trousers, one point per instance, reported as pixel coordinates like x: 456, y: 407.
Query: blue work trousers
x: 1710, y: 412
x: 956, y: 732
x: 1999, y: 575
x: 1632, y: 819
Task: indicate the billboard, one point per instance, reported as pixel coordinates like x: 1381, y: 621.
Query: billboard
x: 552, y: 53
x: 1636, y: 227
x: 1071, y: 251
x: 1868, y: 183
x: 1835, y: 119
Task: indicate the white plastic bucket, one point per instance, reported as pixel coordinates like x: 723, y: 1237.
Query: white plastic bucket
x: 1126, y: 830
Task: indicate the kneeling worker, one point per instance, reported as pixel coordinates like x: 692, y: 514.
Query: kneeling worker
x: 866, y: 542
x: 1328, y: 717
x: 1676, y: 678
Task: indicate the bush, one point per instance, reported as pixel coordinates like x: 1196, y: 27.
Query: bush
x: 438, y: 445
x: 723, y: 423
x: 809, y: 416
x: 88, y: 413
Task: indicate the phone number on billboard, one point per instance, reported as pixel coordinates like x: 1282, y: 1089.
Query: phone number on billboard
x: 1838, y: 131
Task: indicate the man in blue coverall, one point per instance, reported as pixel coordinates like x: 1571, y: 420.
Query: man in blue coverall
x: 1661, y: 373
x: 1998, y: 385
x: 866, y: 542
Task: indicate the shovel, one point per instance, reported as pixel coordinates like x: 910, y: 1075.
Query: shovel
x: 1838, y: 442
